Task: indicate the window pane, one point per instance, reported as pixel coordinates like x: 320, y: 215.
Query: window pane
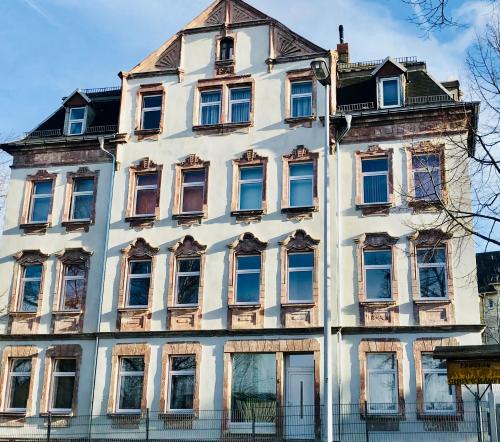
x: 19, y: 391
x: 427, y: 184
x: 131, y: 393
x: 33, y: 271
x: 151, y: 119
x: 301, y: 169
x: 248, y: 262
x: 247, y: 287
x: 240, y: 94
x: 194, y: 176
x: 183, y: 363
x: 192, y: 200
x: 300, y: 286
x: 132, y: 364
x: 301, y: 107
x: 438, y: 395
x: 251, y: 196
x: 300, y: 260
x: 63, y: 392
x: 140, y: 267
x: 40, y: 211
x: 210, y: 96
x: 428, y: 362
x: 391, y: 92
x: 151, y: 101
x: 75, y: 128
x: 301, y: 193
x: 187, y: 289
x: 150, y: 179
x: 378, y: 283
x: 431, y: 256
x: 253, y: 386
x: 43, y: 188
x: 301, y: 87
x: 73, y: 294
x: 432, y: 282
x: 83, y: 205
x: 21, y: 365
x: 188, y: 265
x: 77, y: 113
x: 375, y: 165
x: 425, y: 161
x: 378, y: 258
x: 381, y: 361
x: 83, y: 185
x: 210, y: 114
x: 182, y: 392
x: 146, y: 202
x: 138, y: 291
x: 240, y: 112
x: 65, y: 365
x: 30, y: 296
x: 251, y: 173
x: 375, y: 189
x: 382, y: 392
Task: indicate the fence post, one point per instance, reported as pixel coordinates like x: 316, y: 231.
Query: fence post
x: 253, y: 423
x: 479, y: 423
x: 367, y: 430
x: 147, y: 424
x: 49, y: 425
x: 493, y: 416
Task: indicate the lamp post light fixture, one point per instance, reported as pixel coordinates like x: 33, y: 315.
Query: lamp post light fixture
x: 321, y: 72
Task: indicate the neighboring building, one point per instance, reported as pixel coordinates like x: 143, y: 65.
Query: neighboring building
x: 488, y: 282
x: 212, y: 282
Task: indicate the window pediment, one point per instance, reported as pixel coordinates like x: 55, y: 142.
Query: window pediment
x: 188, y: 246
x: 300, y: 241
x: 376, y: 240
x: 27, y: 257
x: 140, y: 248
x: 430, y: 237
x: 248, y: 243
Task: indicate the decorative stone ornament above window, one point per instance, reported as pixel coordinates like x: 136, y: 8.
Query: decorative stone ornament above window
x: 149, y: 110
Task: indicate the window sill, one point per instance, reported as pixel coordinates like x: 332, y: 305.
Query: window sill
x: 425, y: 205
x: 299, y: 213
x: 189, y: 218
x: 67, y: 312
x: 25, y: 314
x: 183, y: 307
x: 57, y: 414
x: 300, y: 121
x: 146, y: 132
x: 34, y: 228
x: 298, y: 304
x: 178, y: 420
x: 141, y: 221
x: 12, y: 413
x: 378, y: 302
x: 133, y: 309
x: 77, y: 225
x: 374, y: 209
x: 432, y: 301
x: 244, y: 306
x: 221, y: 127
x: 248, y: 215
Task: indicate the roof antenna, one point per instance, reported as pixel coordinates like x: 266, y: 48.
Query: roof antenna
x: 341, y: 33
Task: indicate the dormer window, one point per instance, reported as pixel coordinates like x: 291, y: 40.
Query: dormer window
x: 226, y: 50
x: 76, y: 122
x: 390, y: 89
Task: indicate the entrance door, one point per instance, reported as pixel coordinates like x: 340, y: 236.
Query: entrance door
x: 299, y: 397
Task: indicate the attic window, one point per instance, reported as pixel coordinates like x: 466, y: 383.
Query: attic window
x: 226, y: 51
x: 390, y: 92
x: 76, y: 122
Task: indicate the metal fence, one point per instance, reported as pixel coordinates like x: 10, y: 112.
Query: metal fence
x: 351, y: 423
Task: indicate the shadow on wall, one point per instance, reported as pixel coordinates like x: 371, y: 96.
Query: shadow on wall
x: 5, y: 162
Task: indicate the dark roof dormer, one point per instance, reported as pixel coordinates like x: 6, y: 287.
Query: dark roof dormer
x: 390, y: 79
x: 78, y: 113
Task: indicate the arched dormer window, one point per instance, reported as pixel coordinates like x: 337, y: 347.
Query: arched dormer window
x: 226, y: 49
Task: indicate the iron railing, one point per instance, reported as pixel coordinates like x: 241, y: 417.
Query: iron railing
x: 427, y: 99
x: 108, y: 128
x: 467, y: 423
x: 356, y: 107
x: 370, y: 63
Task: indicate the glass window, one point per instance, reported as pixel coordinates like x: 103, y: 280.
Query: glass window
x: 130, y: 384
x: 226, y: 49
x: 188, y: 281
x: 382, y: 383
x: 63, y: 385
x: 146, y: 194
x: 390, y: 92
x: 253, y: 386
x: 19, y: 384
x: 439, y: 397
x: 248, y: 279
x: 427, y: 176
x: 41, y: 198
x: 375, y: 174
x: 151, y: 111
x: 300, y: 277
x: 239, y: 104
x: 139, y: 280
x: 76, y: 123
x: 301, y: 99
x: 182, y: 380
x: 31, y: 281
x: 73, y: 286
x: 378, y: 265
x: 82, y: 199
x: 301, y: 184
x: 251, y: 188
x: 193, y: 191
x: 210, y: 107
x: 432, y: 272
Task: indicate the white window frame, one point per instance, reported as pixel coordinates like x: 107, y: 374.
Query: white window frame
x: 437, y: 371
x: 213, y: 103
x: 150, y: 109
x: 369, y: 174
x: 131, y: 276
x: 294, y: 96
x: 24, y: 279
x: 381, y: 91
x: 178, y: 274
x: 299, y: 270
x: 13, y: 374
x: 433, y: 265
x: 245, y: 100
x: 69, y: 278
x: 429, y: 171
x: 394, y: 371
x: 144, y: 187
x: 75, y: 193
x: 121, y: 375
x: 35, y: 196
x: 368, y: 267
x: 61, y: 374
x: 77, y: 120
x: 190, y: 372
x: 300, y: 178
x: 246, y: 272
x: 193, y: 184
x: 250, y: 181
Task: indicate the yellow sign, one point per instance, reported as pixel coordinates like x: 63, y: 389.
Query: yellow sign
x: 473, y: 372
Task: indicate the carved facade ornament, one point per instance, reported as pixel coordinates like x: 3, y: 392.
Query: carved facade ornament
x: 188, y: 246
x: 248, y: 243
x: 30, y: 257
x: 42, y: 174
x: 426, y: 146
x: 300, y: 153
x: 288, y: 44
x: 140, y: 248
x: 217, y: 16
x: 144, y: 164
x: 250, y: 156
x: 171, y: 56
x: 299, y: 241
x: 242, y: 13
x: 192, y: 160
x: 430, y: 237
x: 74, y: 255
x: 376, y: 240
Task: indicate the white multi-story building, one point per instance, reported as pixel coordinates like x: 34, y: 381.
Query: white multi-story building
x: 164, y: 243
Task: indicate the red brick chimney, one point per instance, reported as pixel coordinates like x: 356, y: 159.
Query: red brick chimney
x: 342, y: 48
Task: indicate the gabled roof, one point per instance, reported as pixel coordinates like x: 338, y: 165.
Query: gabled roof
x: 389, y: 60
x: 83, y: 95
x: 488, y: 271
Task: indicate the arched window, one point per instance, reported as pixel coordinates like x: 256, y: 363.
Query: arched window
x: 226, y: 50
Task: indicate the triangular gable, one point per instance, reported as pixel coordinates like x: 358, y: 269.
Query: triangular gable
x: 392, y: 63
x: 76, y: 98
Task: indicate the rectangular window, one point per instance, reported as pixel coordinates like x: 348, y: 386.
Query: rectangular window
x: 73, y: 286
x: 432, y: 272
x: 188, y: 281
x: 151, y: 111
x: 301, y: 99
x: 300, y: 277
x: 31, y: 281
x: 76, y: 123
x: 382, y: 388
x: 251, y: 188
x: 378, y: 269
x: 182, y: 380
x: 18, y: 384
x: 193, y: 191
x: 239, y: 104
x: 41, y: 199
x: 248, y: 279
x: 210, y: 107
x: 253, y: 387
x: 146, y: 194
x: 301, y: 184
x: 375, y: 173
x: 82, y: 199
x: 130, y: 384
x: 139, y: 281
x: 427, y: 176
x: 63, y: 385
x: 439, y: 397
x: 390, y: 92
